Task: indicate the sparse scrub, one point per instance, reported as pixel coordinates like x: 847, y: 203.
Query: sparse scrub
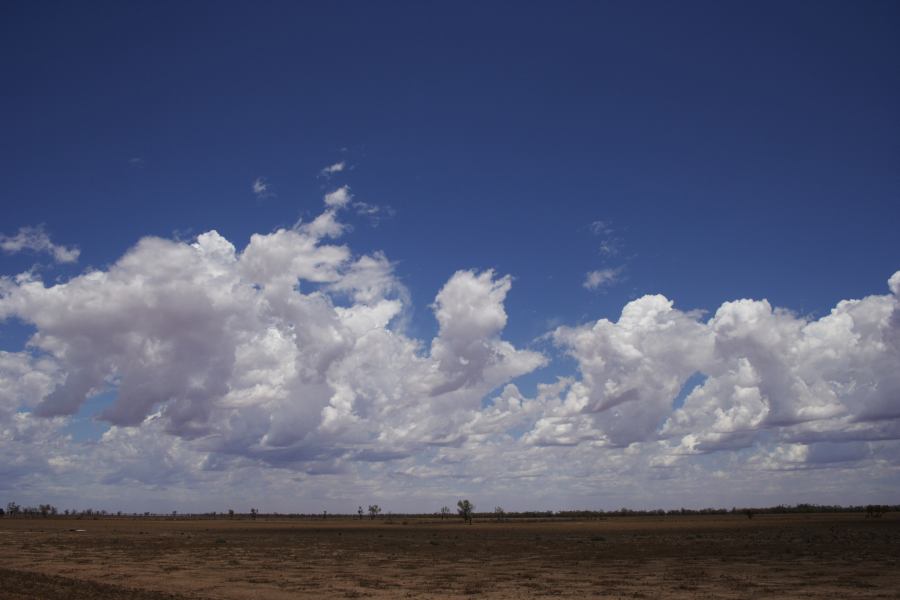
x: 465, y: 509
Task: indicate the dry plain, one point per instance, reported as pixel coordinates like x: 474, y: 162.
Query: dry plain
x: 711, y: 556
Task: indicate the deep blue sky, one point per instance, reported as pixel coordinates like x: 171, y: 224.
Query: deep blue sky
x: 736, y: 149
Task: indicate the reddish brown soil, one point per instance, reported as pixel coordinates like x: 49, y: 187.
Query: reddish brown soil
x: 770, y: 556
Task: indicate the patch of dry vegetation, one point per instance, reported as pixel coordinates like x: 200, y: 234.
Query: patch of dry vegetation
x: 783, y: 556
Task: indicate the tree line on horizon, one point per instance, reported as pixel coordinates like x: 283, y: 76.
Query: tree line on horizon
x: 465, y: 510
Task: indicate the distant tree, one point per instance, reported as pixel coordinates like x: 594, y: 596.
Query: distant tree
x: 465, y: 510
x: 254, y: 512
x: 374, y: 509
x: 12, y: 509
x: 499, y: 513
x: 359, y: 511
x: 1, y: 513
x: 230, y: 513
x: 445, y: 512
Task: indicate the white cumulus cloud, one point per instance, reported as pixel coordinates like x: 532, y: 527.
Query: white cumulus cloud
x: 248, y: 353
x: 339, y: 198
x: 601, y: 278
x: 261, y: 188
x: 332, y: 169
x: 768, y: 375
x: 283, y: 370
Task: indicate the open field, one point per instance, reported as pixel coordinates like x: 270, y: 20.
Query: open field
x: 714, y: 556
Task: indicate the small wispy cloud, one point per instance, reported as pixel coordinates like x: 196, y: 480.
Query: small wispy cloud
x: 601, y: 278
x: 339, y: 198
x: 261, y: 188
x: 137, y: 162
x: 332, y: 169
x: 365, y: 209
x: 610, y: 244
x: 609, y: 247
x: 342, y: 198
x: 36, y: 239
x: 601, y: 228
x: 374, y: 213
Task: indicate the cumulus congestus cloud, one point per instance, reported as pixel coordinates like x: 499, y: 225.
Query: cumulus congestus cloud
x: 770, y: 376
x: 248, y: 352
x: 288, y: 359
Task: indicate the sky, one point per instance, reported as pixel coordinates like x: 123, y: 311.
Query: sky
x: 308, y: 256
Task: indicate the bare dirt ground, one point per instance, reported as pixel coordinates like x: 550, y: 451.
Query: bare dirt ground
x: 770, y: 556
